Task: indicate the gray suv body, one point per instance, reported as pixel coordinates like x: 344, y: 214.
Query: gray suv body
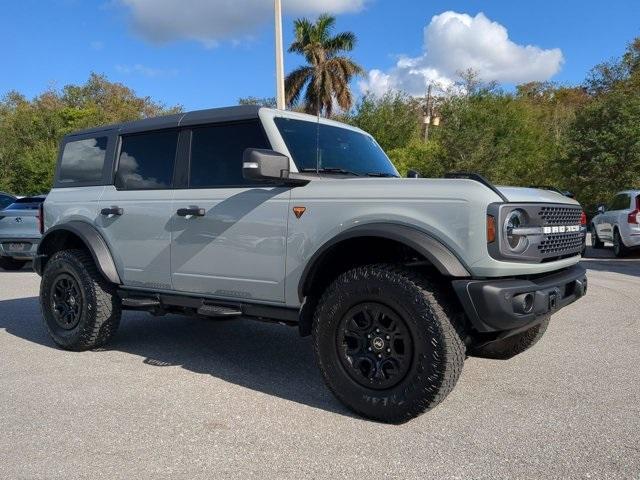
x: 275, y: 215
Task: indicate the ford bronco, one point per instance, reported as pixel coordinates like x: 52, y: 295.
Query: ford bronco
x: 284, y: 217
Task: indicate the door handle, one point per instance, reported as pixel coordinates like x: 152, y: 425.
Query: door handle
x: 117, y: 211
x: 191, y: 212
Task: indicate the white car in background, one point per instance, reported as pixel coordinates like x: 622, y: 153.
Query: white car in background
x: 618, y: 223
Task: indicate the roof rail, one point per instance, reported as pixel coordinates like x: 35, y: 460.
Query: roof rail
x: 478, y: 178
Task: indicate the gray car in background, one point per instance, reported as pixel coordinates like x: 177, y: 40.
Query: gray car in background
x: 619, y: 223
x: 20, y: 232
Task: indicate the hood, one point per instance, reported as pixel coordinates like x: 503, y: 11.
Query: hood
x: 537, y: 195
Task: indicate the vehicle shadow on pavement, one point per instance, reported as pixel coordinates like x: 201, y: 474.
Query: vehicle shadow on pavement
x: 268, y: 358
x: 603, y: 260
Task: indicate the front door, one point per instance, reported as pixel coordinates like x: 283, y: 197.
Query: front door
x: 135, y: 214
x: 228, y: 236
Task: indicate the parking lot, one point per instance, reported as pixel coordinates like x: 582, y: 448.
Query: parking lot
x: 175, y: 397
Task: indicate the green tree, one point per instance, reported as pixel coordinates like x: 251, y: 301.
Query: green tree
x: 327, y: 76
x: 30, y: 130
x: 269, y: 102
x: 604, y: 142
x: 393, y: 119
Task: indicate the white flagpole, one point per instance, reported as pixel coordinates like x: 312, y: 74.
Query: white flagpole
x: 280, y: 97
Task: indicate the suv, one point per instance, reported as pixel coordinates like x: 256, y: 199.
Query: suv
x: 284, y: 217
x: 620, y: 223
x: 20, y: 232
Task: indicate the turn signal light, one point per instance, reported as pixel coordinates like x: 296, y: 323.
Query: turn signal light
x: 491, y: 229
x: 583, y: 218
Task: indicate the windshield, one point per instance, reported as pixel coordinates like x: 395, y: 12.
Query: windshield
x: 335, y: 149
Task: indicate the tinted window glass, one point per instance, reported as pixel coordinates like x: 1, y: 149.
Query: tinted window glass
x: 5, y: 201
x: 83, y: 161
x: 26, y: 203
x: 216, y: 153
x: 333, y: 148
x: 146, y: 161
x: 620, y: 202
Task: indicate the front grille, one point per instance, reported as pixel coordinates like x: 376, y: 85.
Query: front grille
x: 561, y: 244
x: 560, y: 215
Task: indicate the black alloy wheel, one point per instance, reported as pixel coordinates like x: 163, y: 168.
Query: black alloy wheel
x: 67, y: 301
x: 375, y: 345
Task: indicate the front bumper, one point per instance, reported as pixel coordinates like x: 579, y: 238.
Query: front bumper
x: 30, y: 249
x: 515, y: 304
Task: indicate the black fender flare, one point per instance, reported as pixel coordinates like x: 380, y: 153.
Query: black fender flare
x: 439, y: 255
x: 94, y: 242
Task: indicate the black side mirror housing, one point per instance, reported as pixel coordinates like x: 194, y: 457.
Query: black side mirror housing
x: 601, y: 209
x: 413, y: 174
x: 268, y: 166
x: 569, y: 194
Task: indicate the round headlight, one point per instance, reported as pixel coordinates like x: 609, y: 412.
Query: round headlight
x: 516, y: 243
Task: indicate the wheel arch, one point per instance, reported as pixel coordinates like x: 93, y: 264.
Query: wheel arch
x: 433, y: 250
x: 77, y: 234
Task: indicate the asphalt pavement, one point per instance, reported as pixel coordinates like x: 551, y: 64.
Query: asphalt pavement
x: 174, y: 397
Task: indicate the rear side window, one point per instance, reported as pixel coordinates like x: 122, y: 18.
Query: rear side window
x: 147, y: 161
x: 621, y: 202
x: 83, y: 161
x: 217, y: 150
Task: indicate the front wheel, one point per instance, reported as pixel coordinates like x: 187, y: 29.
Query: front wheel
x: 81, y: 310
x: 595, y: 240
x: 386, y: 342
x: 11, y: 264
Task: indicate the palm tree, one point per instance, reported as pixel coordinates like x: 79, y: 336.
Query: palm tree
x: 327, y: 75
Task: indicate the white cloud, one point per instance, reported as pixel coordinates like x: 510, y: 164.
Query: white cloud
x: 139, y: 69
x: 455, y: 42
x: 210, y: 21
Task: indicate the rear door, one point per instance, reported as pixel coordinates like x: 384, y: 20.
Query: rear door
x: 135, y: 212
x: 228, y: 235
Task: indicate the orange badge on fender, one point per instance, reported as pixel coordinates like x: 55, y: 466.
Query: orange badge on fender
x: 299, y: 211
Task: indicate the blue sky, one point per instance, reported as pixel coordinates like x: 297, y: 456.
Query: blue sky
x: 144, y: 44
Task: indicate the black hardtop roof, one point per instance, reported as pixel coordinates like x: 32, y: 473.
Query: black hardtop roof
x: 213, y: 115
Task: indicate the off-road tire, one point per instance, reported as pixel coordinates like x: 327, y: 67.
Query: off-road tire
x: 100, y: 309
x: 619, y: 248
x: 595, y: 240
x: 511, y: 346
x: 435, y: 329
x: 11, y: 264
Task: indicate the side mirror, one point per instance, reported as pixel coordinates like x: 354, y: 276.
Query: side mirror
x: 569, y: 194
x: 268, y: 166
x: 413, y: 174
x: 601, y: 209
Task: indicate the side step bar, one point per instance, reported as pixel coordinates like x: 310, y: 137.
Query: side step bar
x: 158, y: 303
x: 218, y: 311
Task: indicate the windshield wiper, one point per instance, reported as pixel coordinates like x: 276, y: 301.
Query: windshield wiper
x: 382, y: 175
x: 330, y: 170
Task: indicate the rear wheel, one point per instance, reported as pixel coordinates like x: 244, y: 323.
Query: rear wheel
x: 511, y: 346
x: 595, y: 241
x: 619, y: 248
x: 80, y: 308
x: 11, y: 264
x: 386, y: 344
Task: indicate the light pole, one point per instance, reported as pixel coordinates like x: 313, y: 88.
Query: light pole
x: 280, y: 98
